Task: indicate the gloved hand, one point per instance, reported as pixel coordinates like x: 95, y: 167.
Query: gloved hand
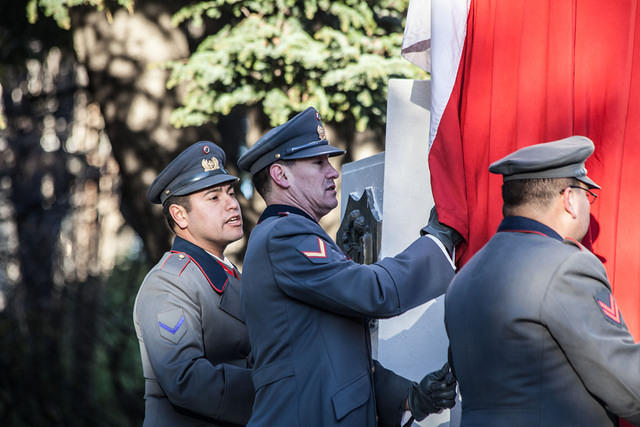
x: 436, y: 391
x: 449, y: 237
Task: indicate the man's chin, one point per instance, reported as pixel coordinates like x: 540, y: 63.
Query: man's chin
x: 332, y: 198
x: 235, y: 236
x: 330, y: 206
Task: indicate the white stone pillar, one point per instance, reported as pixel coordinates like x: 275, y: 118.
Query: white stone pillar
x: 414, y: 343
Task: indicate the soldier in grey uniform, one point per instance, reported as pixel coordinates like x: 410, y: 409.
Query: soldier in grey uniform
x: 187, y: 315
x: 307, y: 305
x: 536, y: 336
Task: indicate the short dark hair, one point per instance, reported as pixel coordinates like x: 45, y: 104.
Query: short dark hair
x: 261, y: 180
x: 174, y: 200
x: 538, y: 191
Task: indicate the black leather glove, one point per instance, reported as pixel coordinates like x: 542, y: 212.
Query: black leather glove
x: 436, y: 391
x: 449, y: 237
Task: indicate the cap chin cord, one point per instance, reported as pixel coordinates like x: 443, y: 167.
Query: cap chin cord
x: 295, y: 149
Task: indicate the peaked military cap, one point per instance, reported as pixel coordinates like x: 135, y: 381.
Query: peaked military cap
x: 300, y: 138
x: 199, y: 166
x: 557, y: 159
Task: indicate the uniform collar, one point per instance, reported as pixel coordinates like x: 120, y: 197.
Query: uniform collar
x: 216, y: 273
x: 282, y: 210
x: 521, y: 224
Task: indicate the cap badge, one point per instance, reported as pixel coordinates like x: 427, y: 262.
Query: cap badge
x: 210, y: 164
x: 206, y: 149
x: 321, y: 132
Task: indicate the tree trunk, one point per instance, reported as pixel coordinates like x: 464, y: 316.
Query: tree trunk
x: 123, y: 59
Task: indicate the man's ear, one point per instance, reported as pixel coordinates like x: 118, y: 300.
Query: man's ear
x: 179, y: 215
x: 569, y: 202
x: 280, y: 175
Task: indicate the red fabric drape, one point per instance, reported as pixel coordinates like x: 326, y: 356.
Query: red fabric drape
x: 537, y: 71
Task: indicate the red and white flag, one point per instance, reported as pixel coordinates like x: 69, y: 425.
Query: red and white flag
x: 512, y: 73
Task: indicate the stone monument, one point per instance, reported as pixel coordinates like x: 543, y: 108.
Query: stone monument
x: 395, y: 185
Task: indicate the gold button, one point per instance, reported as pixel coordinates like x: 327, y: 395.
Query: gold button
x: 181, y: 256
x: 167, y: 191
x: 277, y: 155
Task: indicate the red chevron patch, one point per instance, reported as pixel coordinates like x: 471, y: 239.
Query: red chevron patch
x: 320, y: 253
x: 611, y: 310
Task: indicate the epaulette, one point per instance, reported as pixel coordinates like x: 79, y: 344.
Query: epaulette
x: 175, y: 263
x: 573, y: 242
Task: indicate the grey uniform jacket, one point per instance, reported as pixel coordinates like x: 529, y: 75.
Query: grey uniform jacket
x: 536, y: 336
x: 193, y: 342
x: 307, y: 308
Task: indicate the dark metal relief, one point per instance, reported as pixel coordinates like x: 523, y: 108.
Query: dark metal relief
x: 360, y: 231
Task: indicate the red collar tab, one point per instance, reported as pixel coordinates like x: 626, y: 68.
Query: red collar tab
x: 230, y: 271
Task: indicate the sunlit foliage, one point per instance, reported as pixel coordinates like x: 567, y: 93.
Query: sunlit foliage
x: 288, y: 54
x: 59, y: 9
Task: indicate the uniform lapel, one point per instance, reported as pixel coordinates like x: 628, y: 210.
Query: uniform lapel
x: 230, y: 301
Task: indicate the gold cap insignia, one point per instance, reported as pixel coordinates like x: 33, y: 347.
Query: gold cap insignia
x: 210, y: 164
x: 321, y: 132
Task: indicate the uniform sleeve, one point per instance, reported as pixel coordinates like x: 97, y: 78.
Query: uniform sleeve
x: 171, y: 327
x: 392, y: 392
x: 583, y: 317
x: 311, y: 268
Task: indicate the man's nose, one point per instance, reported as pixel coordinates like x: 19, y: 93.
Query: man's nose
x: 333, y: 173
x: 232, y: 203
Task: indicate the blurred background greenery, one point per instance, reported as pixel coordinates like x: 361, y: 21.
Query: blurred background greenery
x: 97, y: 97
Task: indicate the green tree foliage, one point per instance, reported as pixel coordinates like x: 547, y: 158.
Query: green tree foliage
x: 288, y: 54
x: 59, y: 9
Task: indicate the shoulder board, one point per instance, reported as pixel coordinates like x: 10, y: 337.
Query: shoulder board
x: 175, y: 263
x: 573, y: 242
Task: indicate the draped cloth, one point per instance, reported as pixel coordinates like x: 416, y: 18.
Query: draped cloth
x: 512, y: 73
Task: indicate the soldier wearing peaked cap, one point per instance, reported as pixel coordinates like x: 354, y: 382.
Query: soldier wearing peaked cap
x: 536, y: 336
x: 187, y: 315
x: 307, y: 305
